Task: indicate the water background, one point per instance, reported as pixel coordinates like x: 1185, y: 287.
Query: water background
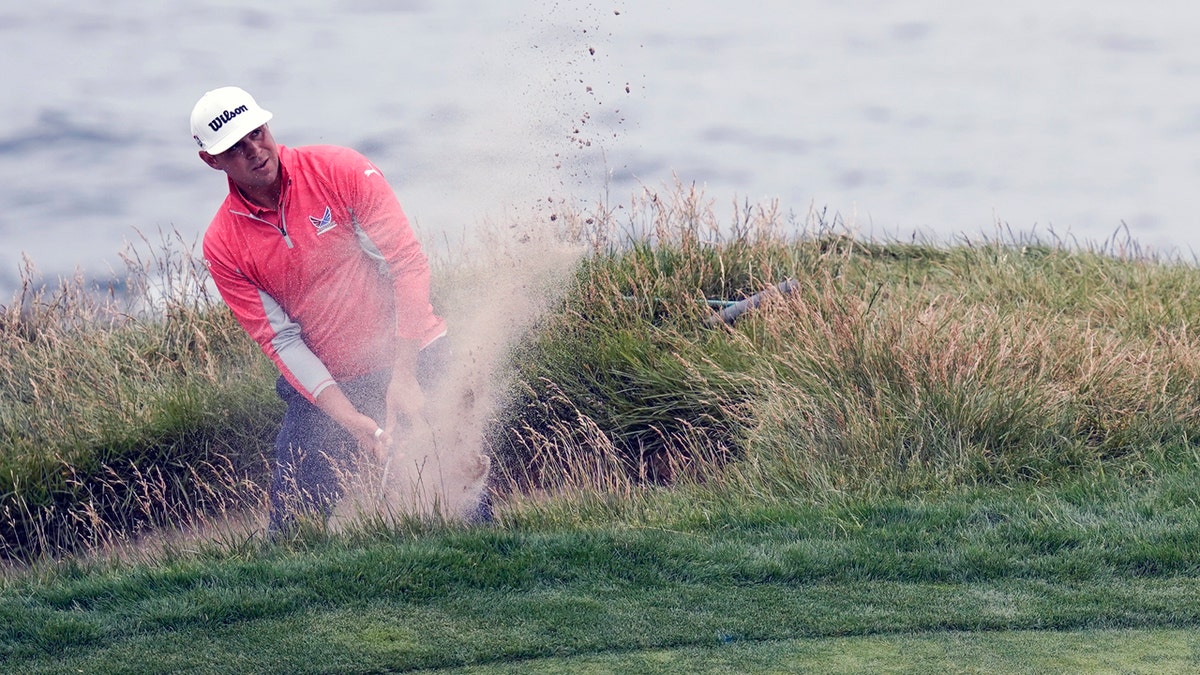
x: 1073, y: 119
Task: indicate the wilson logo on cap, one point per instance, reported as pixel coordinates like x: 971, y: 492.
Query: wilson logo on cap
x: 220, y: 120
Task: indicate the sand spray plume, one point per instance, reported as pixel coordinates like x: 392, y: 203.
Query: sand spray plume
x: 491, y: 292
x: 496, y: 285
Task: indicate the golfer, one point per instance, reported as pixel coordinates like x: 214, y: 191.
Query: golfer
x: 316, y: 259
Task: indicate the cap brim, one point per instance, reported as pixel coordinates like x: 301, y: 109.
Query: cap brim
x: 239, y: 127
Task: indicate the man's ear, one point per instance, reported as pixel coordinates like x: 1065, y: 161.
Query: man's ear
x: 209, y: 160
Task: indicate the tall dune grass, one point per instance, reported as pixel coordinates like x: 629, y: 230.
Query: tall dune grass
x: 124, y: 406
x: 895, y: 366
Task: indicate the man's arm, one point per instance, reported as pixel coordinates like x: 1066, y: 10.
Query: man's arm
x: 385, y: 233
x: 365, y: 430
x: 265, y: 321
x: 405, y: 400
x: 279, y: 338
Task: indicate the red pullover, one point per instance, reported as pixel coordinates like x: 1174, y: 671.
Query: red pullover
x: 327, y: 283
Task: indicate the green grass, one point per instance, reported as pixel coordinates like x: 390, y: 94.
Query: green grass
x: 977, y: 457
x: 672, y: 572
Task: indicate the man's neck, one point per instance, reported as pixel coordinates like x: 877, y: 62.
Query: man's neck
x: 263, y: 198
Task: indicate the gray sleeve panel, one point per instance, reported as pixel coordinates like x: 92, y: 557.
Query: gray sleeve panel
x: 308, y: 370
x: 368, y: 246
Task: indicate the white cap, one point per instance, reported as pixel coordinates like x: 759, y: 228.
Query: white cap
x: 224, y: 116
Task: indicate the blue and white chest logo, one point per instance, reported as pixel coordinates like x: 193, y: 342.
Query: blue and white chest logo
x: 324, y: 223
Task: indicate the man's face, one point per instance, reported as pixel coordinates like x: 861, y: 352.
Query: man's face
x: 251, y: 163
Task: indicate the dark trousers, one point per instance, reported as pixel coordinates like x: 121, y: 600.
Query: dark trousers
x: 313, y: 453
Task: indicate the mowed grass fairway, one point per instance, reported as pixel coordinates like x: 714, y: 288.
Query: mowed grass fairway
x: 981, y: 457
x: 672, y: 582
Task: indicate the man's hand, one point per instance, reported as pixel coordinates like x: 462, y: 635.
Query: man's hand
x: 379, y: 442
x: 370, y: 437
